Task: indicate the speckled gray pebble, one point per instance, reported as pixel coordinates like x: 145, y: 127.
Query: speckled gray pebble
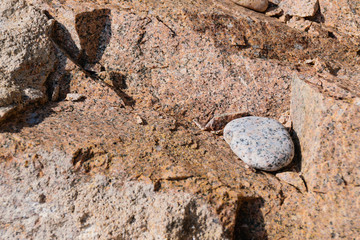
x: 262, y: 143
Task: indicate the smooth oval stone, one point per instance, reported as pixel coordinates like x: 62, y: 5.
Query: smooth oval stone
x: 257, y: 5
x: 262, y: 143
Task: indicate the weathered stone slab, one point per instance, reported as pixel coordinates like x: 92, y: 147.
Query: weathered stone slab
x: 300, y: 8
x: 327, y: 129
x: 343, y: 16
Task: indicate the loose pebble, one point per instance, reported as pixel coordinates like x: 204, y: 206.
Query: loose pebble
x: 75, y: 97
x: 56, y: 93
x: 262, y: 143
x: 139, y: 120
x: 274, y: 12
x: 257, y: 5
x: 285, y: 120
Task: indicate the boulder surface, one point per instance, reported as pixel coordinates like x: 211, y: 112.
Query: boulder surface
x: 71, y: 169
x: 27, y: 57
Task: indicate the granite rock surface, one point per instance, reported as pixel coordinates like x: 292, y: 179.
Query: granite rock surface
x: 327, y: 129
x: 342, y: 16
x: 27, y: 57
x: 307, y: 8
x: 170, y: 62
x: 98, y: 207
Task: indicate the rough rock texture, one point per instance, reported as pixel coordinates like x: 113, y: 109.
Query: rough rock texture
x: 106, y: 139
x: 338, y: 19
x: 94, y: 208
x: 26, y: 56
x: 300, y: 8
x: 328, y: 131
x: 170, y: 62
x: 300, y: 24
x: 293, y: 178
x: 74, y: 97
x: 343, y: 15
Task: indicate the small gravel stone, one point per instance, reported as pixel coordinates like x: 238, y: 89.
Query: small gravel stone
x: 75, y: 97
x: 274, y: 12
x: 262, y: 143
x: 139, y: 120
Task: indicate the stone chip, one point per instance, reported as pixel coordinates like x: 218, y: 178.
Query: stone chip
x: 75, y: 97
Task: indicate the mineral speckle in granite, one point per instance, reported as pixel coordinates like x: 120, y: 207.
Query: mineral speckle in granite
x: 262, y: 143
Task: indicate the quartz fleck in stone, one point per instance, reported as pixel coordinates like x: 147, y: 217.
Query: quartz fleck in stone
x: 75, y: 97
x: 262, y: 143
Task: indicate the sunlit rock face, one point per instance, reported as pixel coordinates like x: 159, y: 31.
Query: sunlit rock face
x: 26, y: 56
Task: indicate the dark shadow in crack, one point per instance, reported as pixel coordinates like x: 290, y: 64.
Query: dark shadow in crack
x: 32, y: 116
x: 249, y: 221
x: 118, y: 83
x: 94, y: 31
x: 318, y: 17
x: 58, y: 82
x: 297, y: 161
x: 65, y: 47
x: 63, y: 40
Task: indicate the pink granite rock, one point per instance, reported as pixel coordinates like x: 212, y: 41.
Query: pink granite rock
x: 300, y: 8
x: 343, y: 16
x: 171, y: 62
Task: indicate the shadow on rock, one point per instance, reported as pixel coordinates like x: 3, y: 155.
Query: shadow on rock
x: 31, y: 117
x: 250, y: 220
x: 57, y: 83
x: 62, y: 39
x: 94, y: 31
x: 296, y: 163
x: 117, y: 82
